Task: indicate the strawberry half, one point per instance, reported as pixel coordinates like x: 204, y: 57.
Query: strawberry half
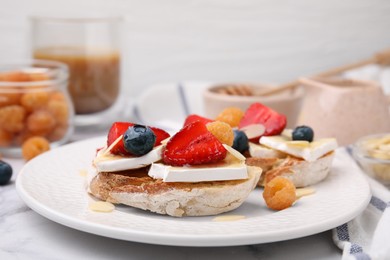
x: 192, y: 118
x: 193, y: 145
x: 119, y: 128
x: 260, y: 114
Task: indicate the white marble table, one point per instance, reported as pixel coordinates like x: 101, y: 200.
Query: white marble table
x: 24, y: 234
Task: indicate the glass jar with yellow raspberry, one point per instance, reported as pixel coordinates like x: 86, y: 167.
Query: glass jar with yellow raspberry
x: 34, y: 103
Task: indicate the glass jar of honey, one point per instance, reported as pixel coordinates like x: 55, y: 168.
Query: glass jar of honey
x: 34, y: 101
x: 90, y: 47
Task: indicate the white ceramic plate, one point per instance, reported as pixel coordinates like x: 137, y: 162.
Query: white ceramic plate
x: 51, y: 185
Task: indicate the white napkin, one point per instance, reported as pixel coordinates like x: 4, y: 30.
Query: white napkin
x: 368, y: 235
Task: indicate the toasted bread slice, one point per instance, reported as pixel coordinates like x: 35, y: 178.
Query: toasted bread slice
x: 177, y: 199
x: 302, y: 173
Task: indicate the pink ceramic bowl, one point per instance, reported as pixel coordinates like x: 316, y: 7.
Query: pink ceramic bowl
x: 287, y: 102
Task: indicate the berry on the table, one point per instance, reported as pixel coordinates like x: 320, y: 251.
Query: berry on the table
x: 241, y: 142
x: 34, y: 146
x: 231, y: 116
x: 5, y: 173
x: 303, y: 133
x: 222, y: 131
x: 193, y: 145
x: 139, y: 140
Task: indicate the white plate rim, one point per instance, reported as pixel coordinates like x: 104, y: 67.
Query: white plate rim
x: 182, y: 239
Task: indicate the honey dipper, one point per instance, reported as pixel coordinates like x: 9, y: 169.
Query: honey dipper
x: 381, y: 58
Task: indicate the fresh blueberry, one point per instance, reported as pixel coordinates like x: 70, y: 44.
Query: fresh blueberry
x: 240, y: 142
x: 5, y: 173
x: 304, y: 133
x: 139, y: 140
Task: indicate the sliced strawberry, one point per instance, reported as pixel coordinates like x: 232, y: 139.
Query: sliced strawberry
x: 260, y: 114
x: 192, y: 145
x: 119, y: 128
x: 192, y: 118
x: 160, y: 135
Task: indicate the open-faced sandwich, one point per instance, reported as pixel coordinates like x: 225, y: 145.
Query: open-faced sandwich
x: 191, y: 173
x: 293, y: 154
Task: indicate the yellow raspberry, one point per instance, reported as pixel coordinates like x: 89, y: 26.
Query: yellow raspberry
x: 34, y: 100
x: 279, y: 193
x: 231, y: 116
x: 222, y: 131
x: 41, y: 122
x: 34, y: 146
x: 12, y: 118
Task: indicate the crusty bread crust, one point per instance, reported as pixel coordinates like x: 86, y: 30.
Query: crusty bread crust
x: 174, y: 199
x: 302, y: 173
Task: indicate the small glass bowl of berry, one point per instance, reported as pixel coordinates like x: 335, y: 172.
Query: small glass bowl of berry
x: 372, y: 153
x: 34, y: 105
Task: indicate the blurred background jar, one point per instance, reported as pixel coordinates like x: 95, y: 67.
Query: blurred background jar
x: 346, y: 109
x: 90, y: 46
x: 34, y: 102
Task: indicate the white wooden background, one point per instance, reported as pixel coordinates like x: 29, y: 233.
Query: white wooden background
x: 221, y: 40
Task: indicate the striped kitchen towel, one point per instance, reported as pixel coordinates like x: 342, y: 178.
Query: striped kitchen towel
x: 368, y: 235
